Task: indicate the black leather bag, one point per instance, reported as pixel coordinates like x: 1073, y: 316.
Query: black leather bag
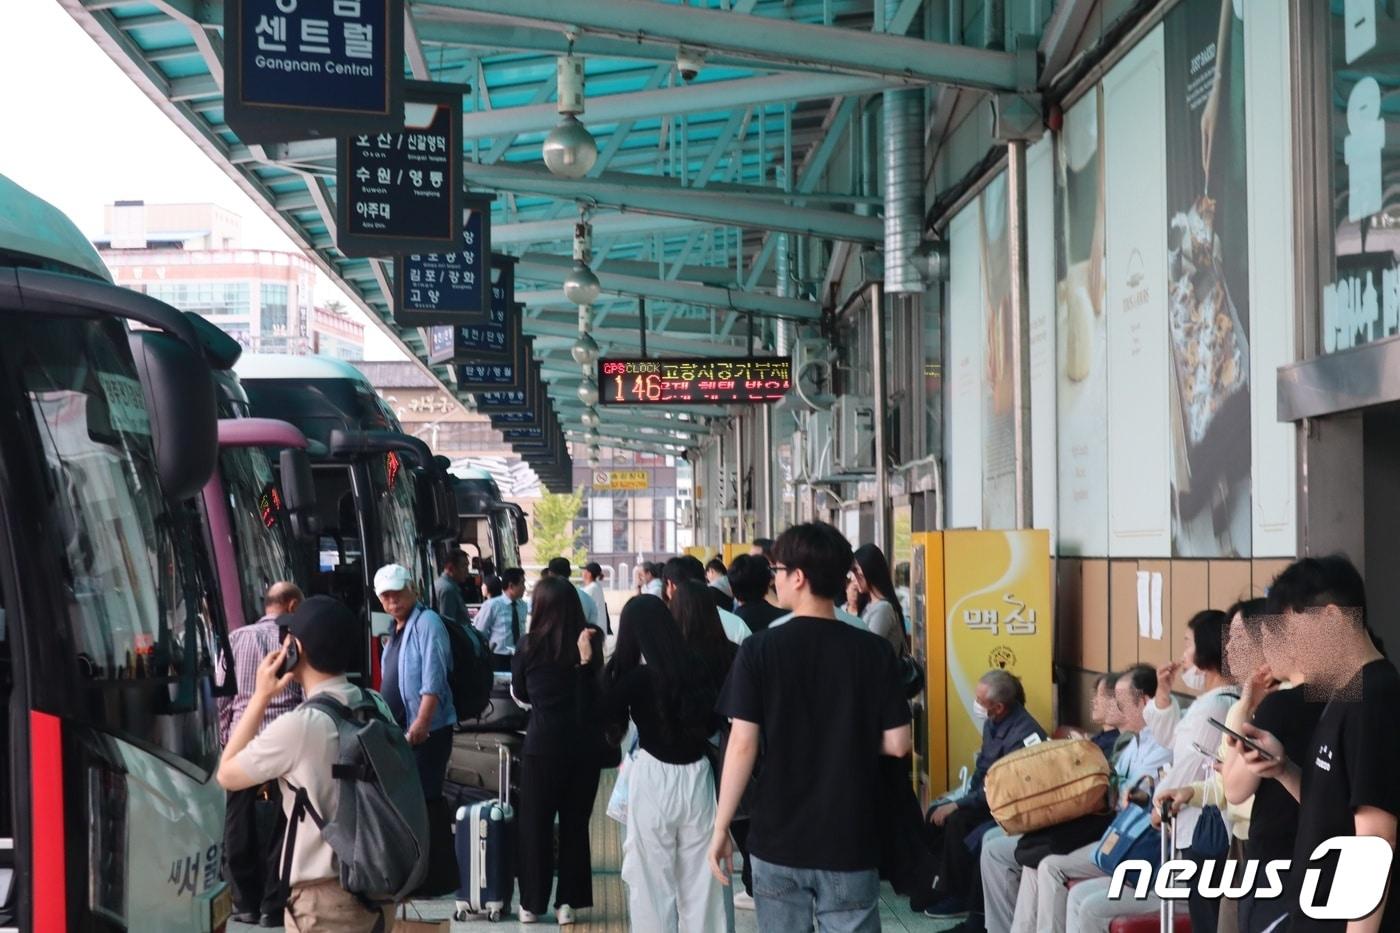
x: 913, y: 677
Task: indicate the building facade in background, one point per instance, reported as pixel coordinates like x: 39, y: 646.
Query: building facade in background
x: 188, y: 255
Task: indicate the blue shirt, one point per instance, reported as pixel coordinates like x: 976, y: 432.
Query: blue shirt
x: 424, y: 661
x: 493, y: 620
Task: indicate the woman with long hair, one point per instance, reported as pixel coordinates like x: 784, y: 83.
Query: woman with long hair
x: 702, y: 631
x: 666, y: 690
x: 556, y: 671
x: 882, y: 615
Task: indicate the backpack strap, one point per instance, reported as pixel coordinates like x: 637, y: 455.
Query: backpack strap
x: 301, y: 808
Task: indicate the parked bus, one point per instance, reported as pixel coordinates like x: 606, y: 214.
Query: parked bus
x: 109, y: 624
x: 492, y: 529
x: 379, y: 497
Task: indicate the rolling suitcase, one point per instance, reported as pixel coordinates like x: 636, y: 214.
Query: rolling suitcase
x: 476, y: 760
x: 486, y: 853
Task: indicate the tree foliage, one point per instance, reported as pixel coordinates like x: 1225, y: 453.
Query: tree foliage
x: 552, y: 528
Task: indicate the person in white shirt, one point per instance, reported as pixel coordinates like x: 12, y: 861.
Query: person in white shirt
x: 1089, y: 908
x: 593, y: 586
x: 651, y: 580
x: 299, y: 750
x: 690, y: 568
x: 1024, y: 900
x: 561, y: 568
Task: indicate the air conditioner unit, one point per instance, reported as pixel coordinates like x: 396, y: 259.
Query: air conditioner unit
x: 854, y: 418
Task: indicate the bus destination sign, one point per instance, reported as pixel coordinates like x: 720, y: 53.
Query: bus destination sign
x: 694, y: 380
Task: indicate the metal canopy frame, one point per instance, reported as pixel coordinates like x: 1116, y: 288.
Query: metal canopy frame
x: 683, y: 198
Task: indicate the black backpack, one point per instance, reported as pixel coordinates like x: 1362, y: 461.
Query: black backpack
x: 471, y: 675
x: 379, y: 831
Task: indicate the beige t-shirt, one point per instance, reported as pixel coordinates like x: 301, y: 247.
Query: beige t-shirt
x: 298, y: 749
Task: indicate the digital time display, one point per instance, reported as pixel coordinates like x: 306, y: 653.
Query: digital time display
x: 694, y: 380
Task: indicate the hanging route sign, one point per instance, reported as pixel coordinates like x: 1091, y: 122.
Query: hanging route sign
x: 693, y: 380
x: 452, y: 287
x: 307, y: 69
x: 401, y: 193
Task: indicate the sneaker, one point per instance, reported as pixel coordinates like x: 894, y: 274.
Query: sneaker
x: 246, y: 916
x: 528, y: 916
x: 564, y: 914
x: 950, y: 907
x: 743, y: 901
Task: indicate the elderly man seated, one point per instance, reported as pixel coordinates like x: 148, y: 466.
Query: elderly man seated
x: 955, y: 827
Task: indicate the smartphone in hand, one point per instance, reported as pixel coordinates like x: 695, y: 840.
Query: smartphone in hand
x: 1244, y: 740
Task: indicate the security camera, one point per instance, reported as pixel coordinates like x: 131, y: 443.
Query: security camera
x: 689, y: 62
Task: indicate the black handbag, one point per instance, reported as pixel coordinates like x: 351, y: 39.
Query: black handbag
x: 913, y: 677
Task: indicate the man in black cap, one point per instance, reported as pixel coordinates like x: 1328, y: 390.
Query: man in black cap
x: 298, y: 749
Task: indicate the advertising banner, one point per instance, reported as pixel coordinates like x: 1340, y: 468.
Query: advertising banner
x: 1208, y: 279
x: 1081, y: 334
x: 966, y: 325
x: 998, y: 374
x: 1139, y: 399
x: 1040, y: 272
x: 998, y: 613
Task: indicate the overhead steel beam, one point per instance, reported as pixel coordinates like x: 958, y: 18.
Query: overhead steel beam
x: 1062, y: 32
x: 617, y: 433
x: 701, y: 97
x: 550, y: 268
x: 604, y: 225
x: 730, y: 205
x: 767, y: 42
x: 628, y: 339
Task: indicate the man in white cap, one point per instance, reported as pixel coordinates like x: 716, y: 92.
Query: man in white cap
x: 414, y: 670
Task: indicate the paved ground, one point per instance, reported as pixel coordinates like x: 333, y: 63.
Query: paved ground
x: 609, y: 914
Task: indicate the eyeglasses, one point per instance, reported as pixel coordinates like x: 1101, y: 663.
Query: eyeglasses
x: 780, y: 568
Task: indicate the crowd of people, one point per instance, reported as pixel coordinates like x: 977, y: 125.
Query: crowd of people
x: 746, y: 720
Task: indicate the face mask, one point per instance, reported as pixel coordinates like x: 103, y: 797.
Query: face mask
x: 1193, y: 677
x: 979, y: 714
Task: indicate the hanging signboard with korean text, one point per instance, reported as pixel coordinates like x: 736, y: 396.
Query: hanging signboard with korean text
x: 502, y: 401
x: 401, y: 193
x: 494, y: 340
x: 997, y: 614
x: 308, y: 69
x: 451, y: 287
x: 692, y: 380
x: 484, y: 375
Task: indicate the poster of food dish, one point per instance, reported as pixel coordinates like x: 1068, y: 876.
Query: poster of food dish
x: 1081, y: 333
x: 998, y: 375
x: 1208, y: 279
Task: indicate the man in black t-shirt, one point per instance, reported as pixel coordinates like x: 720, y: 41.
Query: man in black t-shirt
x: 1348, y: 781
x: 824, y: 699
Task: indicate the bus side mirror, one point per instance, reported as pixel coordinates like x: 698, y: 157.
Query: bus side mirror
x: 183, y: 409
x: 435, y: 507
x: 299, y: 493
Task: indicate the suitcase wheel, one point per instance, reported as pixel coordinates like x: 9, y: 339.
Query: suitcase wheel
x: 494, y: 916
x: 460, y: 915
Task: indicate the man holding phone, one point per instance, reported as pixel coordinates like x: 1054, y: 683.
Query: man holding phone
x: 1345, y: 782
x: 255, y: 824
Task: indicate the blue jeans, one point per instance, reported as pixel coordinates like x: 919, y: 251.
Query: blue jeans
x: 789, y: 899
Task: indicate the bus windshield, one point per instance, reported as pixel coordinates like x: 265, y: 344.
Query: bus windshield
x: 138, y: 620
x: 394, y: 511
x: 259, y: 524
x: 503, y: 531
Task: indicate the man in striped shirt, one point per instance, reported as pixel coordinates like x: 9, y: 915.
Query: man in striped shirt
x: 255, y: 824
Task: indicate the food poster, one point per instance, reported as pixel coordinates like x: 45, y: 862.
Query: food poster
x: 1081, y: 333
x: 998, y: 374
x: 997, y: 613
x: 1208, y: 278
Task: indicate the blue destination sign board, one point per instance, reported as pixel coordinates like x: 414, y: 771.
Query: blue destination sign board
x: 401, y: 193
x: 452, y: 287
x: 306, y: 69
x: 485, y: 375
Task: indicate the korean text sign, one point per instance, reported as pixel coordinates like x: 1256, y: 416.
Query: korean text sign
x: 998, y: 607
x: 448, y: 287
x: 301, y: 69
x: 401, y: 193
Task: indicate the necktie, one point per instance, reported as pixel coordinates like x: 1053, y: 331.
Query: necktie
x: 514, y: 622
